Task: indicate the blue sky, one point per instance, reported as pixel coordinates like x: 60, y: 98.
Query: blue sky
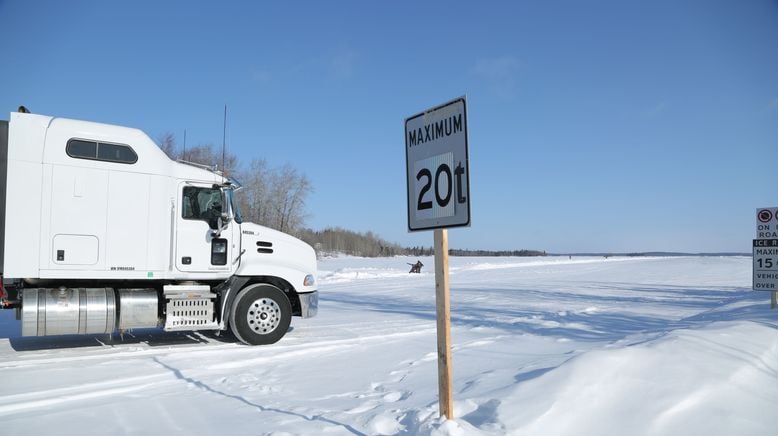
x: 593, y: 126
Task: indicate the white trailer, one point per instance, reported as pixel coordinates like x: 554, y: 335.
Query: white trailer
x: 101, y: 231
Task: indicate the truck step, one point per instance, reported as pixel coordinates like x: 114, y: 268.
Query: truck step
x: 189, y: 307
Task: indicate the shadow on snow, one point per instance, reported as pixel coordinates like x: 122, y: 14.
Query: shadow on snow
x: 613, y: 317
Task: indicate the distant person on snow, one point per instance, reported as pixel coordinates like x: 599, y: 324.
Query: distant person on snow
x: 415, y: 267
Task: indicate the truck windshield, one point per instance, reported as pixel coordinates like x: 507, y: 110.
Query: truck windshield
x: 234, y: 206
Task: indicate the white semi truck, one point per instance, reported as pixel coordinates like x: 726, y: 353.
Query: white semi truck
x: 101, y: 231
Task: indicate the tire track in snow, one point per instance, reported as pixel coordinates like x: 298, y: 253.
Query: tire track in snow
x: 207, y: 388
x: 111, y: 354
x: 324, y: 347
x: 23, y: 402
x: 11, y: 404
x: 209, y: 349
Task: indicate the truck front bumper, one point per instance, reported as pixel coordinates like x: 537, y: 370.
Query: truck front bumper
x: 309, y: 304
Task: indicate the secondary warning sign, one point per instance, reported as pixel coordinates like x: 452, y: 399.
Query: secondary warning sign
x: 767, y: 223
x: 765, y: 265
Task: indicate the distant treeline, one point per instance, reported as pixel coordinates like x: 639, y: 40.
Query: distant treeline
x: 521, y: 253
x: 337, y: 240
x: 655, y: 254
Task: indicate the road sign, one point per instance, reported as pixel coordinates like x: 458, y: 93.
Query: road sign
x: 438, y: 182
x: 767, y: 223
x: 765, y: 265
x: 437, y: 167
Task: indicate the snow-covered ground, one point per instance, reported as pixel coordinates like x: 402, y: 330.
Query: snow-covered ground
x: 542, y: 346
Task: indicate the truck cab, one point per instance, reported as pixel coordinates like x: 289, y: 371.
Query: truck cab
x: 101, y: 231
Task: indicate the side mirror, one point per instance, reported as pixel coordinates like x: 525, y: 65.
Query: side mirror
x: 221, y: 223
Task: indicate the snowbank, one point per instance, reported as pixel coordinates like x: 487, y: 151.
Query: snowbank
x: 542, y: 346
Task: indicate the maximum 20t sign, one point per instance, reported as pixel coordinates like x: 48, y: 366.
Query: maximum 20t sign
x: 438, y: 169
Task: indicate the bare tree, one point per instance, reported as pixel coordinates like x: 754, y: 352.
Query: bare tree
x: 274, y: 197
x: 253, y: 198
x: 208, y: 154
x: 167, y: 142
x: 289, y: 192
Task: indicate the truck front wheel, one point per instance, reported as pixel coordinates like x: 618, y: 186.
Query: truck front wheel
x: 260, y: 314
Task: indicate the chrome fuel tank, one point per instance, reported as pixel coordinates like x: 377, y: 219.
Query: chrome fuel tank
x: 68, y: 311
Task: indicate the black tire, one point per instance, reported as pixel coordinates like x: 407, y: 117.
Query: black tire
x: 260, y: 314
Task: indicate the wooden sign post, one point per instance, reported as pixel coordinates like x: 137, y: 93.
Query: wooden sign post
x: 443, y: 310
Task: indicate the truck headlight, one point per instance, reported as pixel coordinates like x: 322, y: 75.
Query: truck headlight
x: 310, y: 280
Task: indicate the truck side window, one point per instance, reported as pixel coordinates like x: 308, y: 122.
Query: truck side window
x: 82, y: 149
x: 118, y: 153
x: 203, y: 204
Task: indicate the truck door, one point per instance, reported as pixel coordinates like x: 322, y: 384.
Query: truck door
x: 198, y: 247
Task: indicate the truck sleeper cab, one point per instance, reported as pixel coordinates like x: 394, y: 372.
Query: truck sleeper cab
x: 100, y: 231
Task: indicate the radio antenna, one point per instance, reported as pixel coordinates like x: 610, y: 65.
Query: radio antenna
x: 224, y: 139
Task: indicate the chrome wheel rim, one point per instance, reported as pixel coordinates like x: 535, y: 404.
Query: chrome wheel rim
x: 263, y: 316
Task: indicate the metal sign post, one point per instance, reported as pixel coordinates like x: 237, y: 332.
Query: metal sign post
x: 438, y: 183
x: 765, y: 253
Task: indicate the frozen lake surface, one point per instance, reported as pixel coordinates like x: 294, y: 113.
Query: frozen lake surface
x: 541, y: 346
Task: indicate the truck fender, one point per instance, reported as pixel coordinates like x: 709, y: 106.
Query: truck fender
x: 228, y: 290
